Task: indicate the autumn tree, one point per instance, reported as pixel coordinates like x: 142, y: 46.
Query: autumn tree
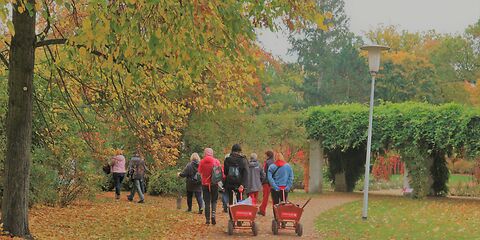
x: 405, y: 77
x: 425, y: 66
x: 151, y: 63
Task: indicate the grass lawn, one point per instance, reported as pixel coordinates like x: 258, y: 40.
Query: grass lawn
x: 459, y: 178
x: 402, y: 218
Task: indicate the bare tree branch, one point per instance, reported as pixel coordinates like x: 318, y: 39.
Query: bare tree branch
x: 48, y: 42
x: 45, y: 31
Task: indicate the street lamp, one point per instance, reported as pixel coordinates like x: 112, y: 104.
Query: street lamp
x: 373, y: 64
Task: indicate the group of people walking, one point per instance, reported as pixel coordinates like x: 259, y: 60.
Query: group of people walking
x: 206, y: 177
x: 135, y: 172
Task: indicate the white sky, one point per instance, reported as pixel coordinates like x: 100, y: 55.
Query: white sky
x: 445, y: 16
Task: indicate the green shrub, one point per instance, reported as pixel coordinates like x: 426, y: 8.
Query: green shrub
x: 166, y: 182
x: 77, y: 179
x: 60, y: 179
x: 298, y: 176
x: 43, y: 185
x: 422, y: 132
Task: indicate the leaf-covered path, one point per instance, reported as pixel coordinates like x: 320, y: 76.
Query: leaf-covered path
x: 158, y: 218
x: 317, y: 205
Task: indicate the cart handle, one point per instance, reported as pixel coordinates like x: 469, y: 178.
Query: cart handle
x: 306, y: 203
x: 240, y: 190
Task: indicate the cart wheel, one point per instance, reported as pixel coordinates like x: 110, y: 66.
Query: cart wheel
x: 299, y: 229
x: 239, y: 223
x: 255, y: 229
x: 284, y: 224
x: 230, y: 227
x: 274, y: 227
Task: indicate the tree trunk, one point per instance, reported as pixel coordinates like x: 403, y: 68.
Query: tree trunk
x: 19, y: 124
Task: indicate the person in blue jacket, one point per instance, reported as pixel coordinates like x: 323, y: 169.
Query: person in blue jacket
x: 280, y: 177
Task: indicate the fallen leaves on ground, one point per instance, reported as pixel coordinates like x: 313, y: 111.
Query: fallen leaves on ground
x: 106, y: 218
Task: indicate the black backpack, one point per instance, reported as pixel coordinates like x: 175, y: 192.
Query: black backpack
x: 234, y: 175
x: 197, y: 178
x: 106, y: 169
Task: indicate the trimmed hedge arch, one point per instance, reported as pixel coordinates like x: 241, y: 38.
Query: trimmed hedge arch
x: 423, y: 133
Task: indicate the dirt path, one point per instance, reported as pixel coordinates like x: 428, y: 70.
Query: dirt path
x: 319, y: 204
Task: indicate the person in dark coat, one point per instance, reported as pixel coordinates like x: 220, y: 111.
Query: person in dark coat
x: 236, y: 172
x: 266, y: 185
x: 221, y: 189
x: 136, y: 170
x: 193, y: 182
x: 255, y: 178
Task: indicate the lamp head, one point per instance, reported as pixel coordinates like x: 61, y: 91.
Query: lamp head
x: 374, y: 56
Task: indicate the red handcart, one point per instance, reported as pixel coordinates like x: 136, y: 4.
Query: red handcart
x: 240, y: 214
x: 287, y: 215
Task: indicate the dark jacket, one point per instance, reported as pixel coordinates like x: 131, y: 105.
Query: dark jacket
x: 137, y: 168
x: 267, y: 164
x: 189, y: 173
x: 240, y: 161
x: 255, y: 176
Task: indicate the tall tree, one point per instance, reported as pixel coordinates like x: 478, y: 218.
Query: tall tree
x: 408, y: 71
x: 334, y: 70
x: 157, y: 60
x: 19, y: 120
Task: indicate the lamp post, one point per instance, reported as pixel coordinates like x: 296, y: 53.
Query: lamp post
x: 373, y: 64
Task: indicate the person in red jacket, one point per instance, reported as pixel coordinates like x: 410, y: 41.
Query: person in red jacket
x: 210, y: 192
x: 266, y: 185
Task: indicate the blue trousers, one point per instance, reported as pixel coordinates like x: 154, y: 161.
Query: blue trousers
x: 137, y: 187
x: 198, y: 196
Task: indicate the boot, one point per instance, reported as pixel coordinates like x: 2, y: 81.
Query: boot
x: 213, y: 219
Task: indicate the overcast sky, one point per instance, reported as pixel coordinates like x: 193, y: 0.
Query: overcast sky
x: 445, y: 16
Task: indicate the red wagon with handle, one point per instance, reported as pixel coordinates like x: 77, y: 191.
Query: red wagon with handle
x: 242, y: 217
x: 287, y: 215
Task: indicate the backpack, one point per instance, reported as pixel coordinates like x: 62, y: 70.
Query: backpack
x: 197, y: 178
x: 234, y: 175
x: 106, y: 169
x: 217, y: 175
x: 139, y: 171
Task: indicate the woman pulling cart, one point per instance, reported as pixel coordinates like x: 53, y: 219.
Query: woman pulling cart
x: 286, y: 214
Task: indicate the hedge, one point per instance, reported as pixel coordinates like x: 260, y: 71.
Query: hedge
x: 423, y: 133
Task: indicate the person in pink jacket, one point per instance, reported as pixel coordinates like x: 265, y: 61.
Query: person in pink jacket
x: 118, y: 171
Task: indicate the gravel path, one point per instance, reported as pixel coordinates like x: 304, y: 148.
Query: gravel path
x: 317, y: 205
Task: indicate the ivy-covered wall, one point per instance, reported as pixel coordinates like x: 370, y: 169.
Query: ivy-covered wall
x: 423, y: 134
